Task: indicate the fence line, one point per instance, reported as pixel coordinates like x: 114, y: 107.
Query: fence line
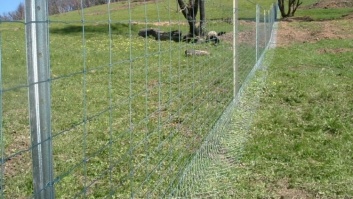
x: 212, y: 171
x: 99, y: 111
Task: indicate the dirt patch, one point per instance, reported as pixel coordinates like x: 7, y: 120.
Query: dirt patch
x: 290, y: 33
x: 20, y: 159
x: 348, y: 16
x: 291, y: 19
x: 326, y: 4
x: 227, y: 38
x: 247, y: 36
x: 285, y: 191
x: 334, y: 51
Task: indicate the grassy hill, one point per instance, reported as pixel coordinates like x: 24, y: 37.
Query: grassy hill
x: 128, y: 112
x: 300, y: 145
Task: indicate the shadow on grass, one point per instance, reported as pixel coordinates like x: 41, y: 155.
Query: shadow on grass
x: 117, y: 28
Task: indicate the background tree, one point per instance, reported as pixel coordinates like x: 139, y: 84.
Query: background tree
x: 292, y: 6
x: 18, y: 14
x: 58, y: 6
x: 189, y: 11
x: 62, y: 6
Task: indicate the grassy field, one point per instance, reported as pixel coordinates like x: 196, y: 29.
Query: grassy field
x: 127, y: 112
x: 300, y: 144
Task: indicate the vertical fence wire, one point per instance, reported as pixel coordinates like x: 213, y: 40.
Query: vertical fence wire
x: 235, y: 47
x: 146, y: 71
x: 2, y: 147
x: 131, y: 127
x: 111, y: 159
x: 132, y: 115
x: 258, y: 10
x: 84, y: 102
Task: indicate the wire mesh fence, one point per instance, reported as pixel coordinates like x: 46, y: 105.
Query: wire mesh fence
x: 90, y: 107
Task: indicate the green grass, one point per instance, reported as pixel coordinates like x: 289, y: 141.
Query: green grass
x: 324, y: 14
x: 301, y: 141
x: 127, y: 112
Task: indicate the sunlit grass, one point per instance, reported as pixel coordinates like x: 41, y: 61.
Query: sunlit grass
x: 324, y: 14
x: 301, y: 142
x: 127, y: 112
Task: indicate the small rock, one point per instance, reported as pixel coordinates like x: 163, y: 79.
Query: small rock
x: 196, y: 52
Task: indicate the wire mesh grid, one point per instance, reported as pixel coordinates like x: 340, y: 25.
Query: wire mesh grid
x: 131, y: 116
x: 212, y: 172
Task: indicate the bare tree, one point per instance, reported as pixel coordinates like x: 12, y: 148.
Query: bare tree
x: 292, y: 6
x: 62, y: 6
x: 4, y: 17
x: 18, y: 14
x: 189, y: 11
x: 54, y: 7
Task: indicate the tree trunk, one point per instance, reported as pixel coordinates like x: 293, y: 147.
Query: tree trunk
x: 202, y: 18
x: 282, y: 8
x: 289, y: 11
x: 292, y: 7
x: 295, y: 6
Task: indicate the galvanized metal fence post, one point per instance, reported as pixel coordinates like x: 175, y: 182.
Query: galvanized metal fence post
x: 2, y: 152
x: 235, y: 48
x: 275, y: 11
x: 257, y: 31
x: 265, y: 29
x: 37, y: 40
x: 270, y: 23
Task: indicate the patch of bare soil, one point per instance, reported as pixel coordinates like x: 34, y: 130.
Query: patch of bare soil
x: 285, y: 191
x: 21, y: 161
x: 247, y: 36
x: 228, y: 37
x: 289, y: 34
x: 326, y: 4
x: 305, y: 18
x: 348, y: 16
x: 334, y: 51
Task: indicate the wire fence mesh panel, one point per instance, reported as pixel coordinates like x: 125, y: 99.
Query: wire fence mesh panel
x: 246, y: 39
x: 212, y: 172
x: 141, y: 93
x: 16, y: 167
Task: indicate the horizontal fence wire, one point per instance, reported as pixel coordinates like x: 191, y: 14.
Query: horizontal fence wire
x: 131, y: 116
